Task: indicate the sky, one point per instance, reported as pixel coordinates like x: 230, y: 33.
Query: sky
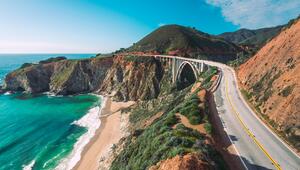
x: 102, y: 26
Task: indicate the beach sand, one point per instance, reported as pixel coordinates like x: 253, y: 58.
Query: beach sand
x: 109, y: 133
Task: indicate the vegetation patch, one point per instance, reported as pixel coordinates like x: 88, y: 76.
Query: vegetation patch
x: 138, y: 59
x: 192, y: 111
x: 166, y: 137
x: 246, y: 94
x: 53, y: 59
x: 287, y: 91
x: 206, y: 77
x: 262, y: 90
x: 26, y: 65
x: 64, y: 74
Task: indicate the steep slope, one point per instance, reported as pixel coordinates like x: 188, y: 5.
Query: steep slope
x: 188, y: 42
x: 271, y: 81
x: 132, y: 78
x: 60, y: 77
x: 255, y: 38
x: 122, y: 77
x: 160, y: 139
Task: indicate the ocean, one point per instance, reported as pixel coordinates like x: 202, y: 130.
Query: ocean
x: 44, y: 131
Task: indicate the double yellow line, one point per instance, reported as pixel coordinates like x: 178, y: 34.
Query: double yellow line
x: 277, y: 166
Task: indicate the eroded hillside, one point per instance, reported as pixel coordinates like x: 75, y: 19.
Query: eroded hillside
x: 271, y: 82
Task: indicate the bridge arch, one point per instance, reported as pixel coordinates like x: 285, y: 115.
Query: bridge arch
x: 186, y: 75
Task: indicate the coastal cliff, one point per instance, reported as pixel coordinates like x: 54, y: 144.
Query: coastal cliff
x: 122, y: 77
x: 60, y: 77
x: 132, y: 78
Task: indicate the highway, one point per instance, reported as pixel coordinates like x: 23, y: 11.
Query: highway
x: 257, y: 146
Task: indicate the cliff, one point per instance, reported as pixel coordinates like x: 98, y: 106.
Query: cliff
x: 122, y: 77
x: 59, y: 77
x: 133, y: 78
x: 271, y: 82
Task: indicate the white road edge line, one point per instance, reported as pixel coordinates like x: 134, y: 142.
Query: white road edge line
x: 223, y: 124
x: 253, y: 113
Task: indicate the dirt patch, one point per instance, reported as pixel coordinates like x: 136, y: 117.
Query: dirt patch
x: 200, y: 128
x: 187, y: 162
x: 153, y: 118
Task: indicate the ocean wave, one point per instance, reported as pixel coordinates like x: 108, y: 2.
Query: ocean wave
x: 92, y: 122
x: 29, y: 166
x: 8, y: 93
x: 50, y: 94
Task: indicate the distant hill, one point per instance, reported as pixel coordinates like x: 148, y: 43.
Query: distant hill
x: 255, y: 38
x: 187, y: 42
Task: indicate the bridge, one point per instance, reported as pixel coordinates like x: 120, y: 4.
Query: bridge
x: 180, y: 65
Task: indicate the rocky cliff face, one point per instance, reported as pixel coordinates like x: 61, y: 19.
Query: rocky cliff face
x: 271, y: 79
x: 61, y: 77
x: 123, y: 77
x: 132, y: 78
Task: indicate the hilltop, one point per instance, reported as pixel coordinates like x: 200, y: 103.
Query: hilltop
x: 187, y: 42
x: 271, y: 81
x: 255, y: 38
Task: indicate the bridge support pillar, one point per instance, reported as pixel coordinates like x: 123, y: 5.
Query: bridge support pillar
x: 174, y: 70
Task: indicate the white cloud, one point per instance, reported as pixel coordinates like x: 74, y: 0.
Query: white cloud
x: 257, y: 13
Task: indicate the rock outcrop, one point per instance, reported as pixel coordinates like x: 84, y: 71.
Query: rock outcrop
x: 271, y: 80
x: 133, y: 78
x: 122, y: 77
x: 60, y: 77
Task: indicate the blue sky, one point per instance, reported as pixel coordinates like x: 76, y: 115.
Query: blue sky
x: 92, y: 26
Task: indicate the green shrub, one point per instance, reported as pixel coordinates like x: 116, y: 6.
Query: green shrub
x: 287, y: 91
x: 208, y: 127
x: 247, y: 95
x: 192, y: 111
x: 53, y: 59
x: 26, y: 65
x: 138, y: 59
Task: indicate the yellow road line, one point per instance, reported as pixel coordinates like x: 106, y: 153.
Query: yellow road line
x: 277, y: 166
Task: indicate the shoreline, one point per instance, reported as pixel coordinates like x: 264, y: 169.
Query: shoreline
x: 92, y: 123
x: 109, y: 133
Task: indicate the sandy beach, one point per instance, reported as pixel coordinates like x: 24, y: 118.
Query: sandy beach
x: 109, y: 133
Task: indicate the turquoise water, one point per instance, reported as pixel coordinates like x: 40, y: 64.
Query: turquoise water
x: 38, y: 130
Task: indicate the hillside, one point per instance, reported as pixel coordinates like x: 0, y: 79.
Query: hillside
x: 271, y: 81
x: 188, y: 42
x: 163, y: 116
x: 255, y: 38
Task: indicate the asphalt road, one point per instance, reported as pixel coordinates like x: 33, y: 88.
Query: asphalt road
x: 257, y: 146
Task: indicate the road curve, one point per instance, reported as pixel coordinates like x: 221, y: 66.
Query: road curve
x: 257, y: 146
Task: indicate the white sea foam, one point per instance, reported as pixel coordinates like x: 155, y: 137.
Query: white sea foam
x: 92, y: 122
x: 51, y: 95
x: 29, y: 166
x: 7, y: 93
